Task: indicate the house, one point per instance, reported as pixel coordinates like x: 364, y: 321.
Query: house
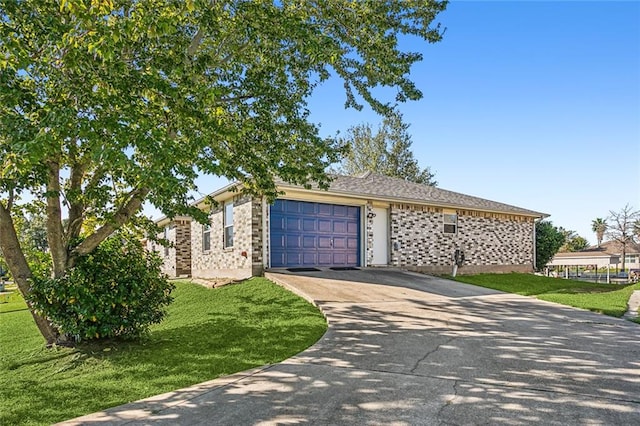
x: 608, y: 255
x: 632, y: 253
x: 364, y: 221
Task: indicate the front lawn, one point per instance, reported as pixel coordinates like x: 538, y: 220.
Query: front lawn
x: 207, y: 334
x: 609, y: 299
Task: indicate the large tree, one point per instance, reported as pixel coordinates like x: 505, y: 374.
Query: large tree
x: 386, y: 151
x: 599, y: 226
x: 621, y: 228
x: 110, y: 103
x: 549, y: 239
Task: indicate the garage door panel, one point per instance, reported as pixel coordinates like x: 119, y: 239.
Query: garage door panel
x: 340, y: 211
x: 339, y: 258
x: 292, y: 207
x: 309, y: 208
x: 293, y: 257
x: 339, y: 227
x: 325, y: 210
x: 324, y: 242
x: 309, y: 224
x: 339, y: 243
x: 278, y: 257
x: 293, y: 241
x: 352, y: 228
x: 352, y: 243
x: 309, y: 258
x: 314, y: 234
x: 277, y: 242
x: 325, y: 259
x: 309, y: 241
x: 324, y: 225
x: 277, y: 223
x: 294, y: 224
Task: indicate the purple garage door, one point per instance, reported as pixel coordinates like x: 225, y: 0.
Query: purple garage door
x: 307, y: 234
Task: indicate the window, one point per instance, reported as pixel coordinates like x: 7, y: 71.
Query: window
x: 630, y: 258
x: 228, y: 224
x: 206, y: 238
x: 450, y: 223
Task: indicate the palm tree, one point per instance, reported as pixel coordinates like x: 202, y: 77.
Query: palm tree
x: 599, y: 226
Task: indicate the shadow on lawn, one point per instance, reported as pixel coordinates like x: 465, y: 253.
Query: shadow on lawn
x: 196, y: 345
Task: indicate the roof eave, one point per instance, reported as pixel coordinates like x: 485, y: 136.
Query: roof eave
x: 411, y: 201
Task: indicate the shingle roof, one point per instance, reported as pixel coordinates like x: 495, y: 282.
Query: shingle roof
x: 615, y: 247
x: 377, y: 186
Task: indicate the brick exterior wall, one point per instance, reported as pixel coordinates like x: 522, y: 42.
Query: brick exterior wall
x: 233, y: 262
x: 182, y: 247
x: 257, y: 244
x: 490, y: 242
x: 177, y: 257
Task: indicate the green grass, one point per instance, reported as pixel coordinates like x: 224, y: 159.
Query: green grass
x: 609, y: 299
x: 207, y: 334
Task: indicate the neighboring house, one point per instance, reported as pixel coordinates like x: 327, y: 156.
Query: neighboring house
x: 177, y: 255
x: 632, y: 253
x: 371, y: 220
x: 607, y: 255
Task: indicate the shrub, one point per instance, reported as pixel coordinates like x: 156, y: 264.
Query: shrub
x: 116, y: 291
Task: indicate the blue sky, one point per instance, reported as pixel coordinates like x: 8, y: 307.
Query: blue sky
x: 535, y: 104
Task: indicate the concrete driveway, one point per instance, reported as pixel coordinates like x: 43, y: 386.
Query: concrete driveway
x: 410, y: 349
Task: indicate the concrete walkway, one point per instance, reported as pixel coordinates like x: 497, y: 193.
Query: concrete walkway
x: 408, y: 349
x: 633, y: 305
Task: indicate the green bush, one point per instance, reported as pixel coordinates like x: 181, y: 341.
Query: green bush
x: 116, y: 291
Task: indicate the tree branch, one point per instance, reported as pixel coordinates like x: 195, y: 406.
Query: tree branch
x: 195, y: 43
x: 124, y: 213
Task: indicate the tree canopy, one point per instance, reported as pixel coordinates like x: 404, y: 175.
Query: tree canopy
x: 572, y: 241
x: 549, y: 239
x: 110, y: 103
x: 387, y: 151
x: 599, y: 226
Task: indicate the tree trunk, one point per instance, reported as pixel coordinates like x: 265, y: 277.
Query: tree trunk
x: 55, y: 233
x: 10, y: 247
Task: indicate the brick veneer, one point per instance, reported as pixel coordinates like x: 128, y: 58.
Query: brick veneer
x: 228, y: 262
x: 177, y: 257
x: 491, y: 242
x: 182, y: 247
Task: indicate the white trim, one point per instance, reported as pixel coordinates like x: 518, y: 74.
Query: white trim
x: 363, y: 236
x: 380, y: 212
x: 266, y: 235
x: 325, y: 197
